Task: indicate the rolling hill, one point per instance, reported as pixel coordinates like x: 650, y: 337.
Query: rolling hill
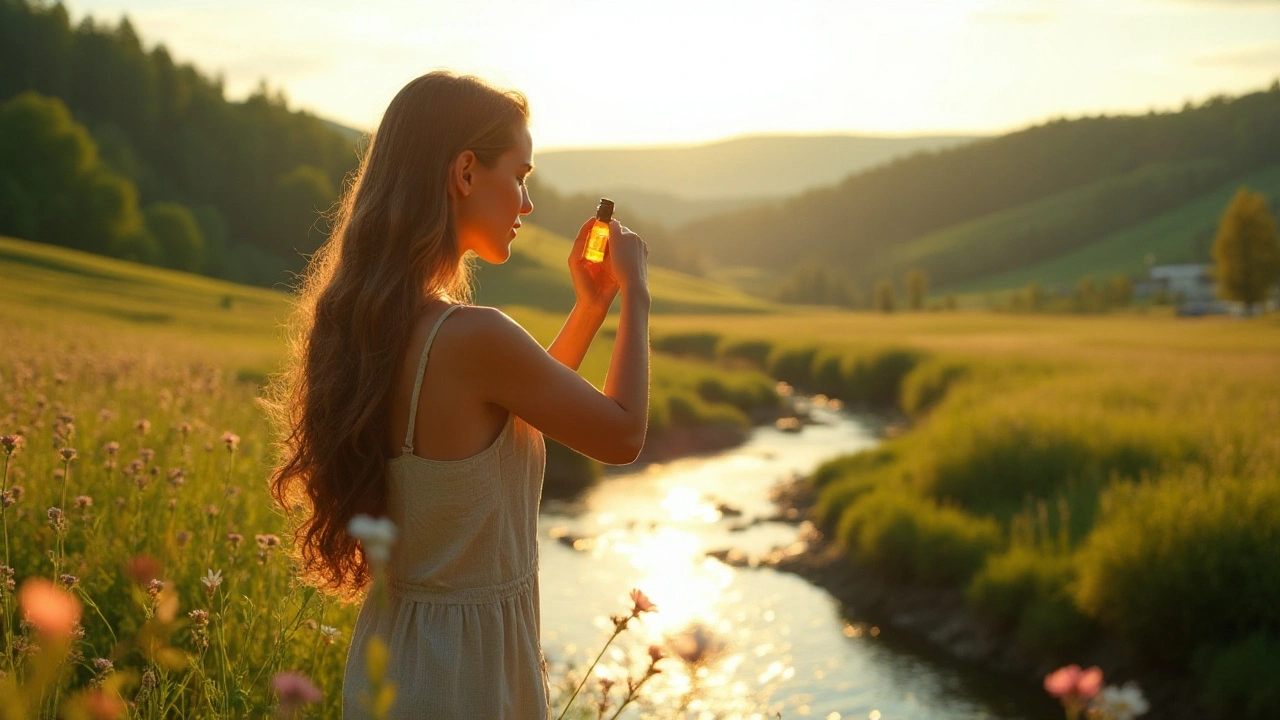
x: 766, y: 166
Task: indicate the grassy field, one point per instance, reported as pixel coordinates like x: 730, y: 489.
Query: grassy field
x: 152, y: 378
x: 1079, y: 478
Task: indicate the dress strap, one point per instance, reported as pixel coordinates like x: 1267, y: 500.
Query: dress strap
x: 417, y: 384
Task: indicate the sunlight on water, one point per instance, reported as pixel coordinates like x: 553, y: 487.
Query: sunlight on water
x: 741, y: 642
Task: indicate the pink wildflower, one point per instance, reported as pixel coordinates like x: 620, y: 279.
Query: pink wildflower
x: 294, y: 691
x: 52, y: 610
x: 641, y: 603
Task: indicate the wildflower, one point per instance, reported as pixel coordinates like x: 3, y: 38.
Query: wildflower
x: 154, y: 587
x: 16, y: 492
x: 294, y: 691
x: 173, y: 503
x: 182, y: 537
x: 1070, y: 683
x: 329, y: 634
x: 68, y: 581
x: 143, y: 426
x: 105, y: 416
x: 68, y: 453
x: 234, y: 539
x: 6, y: 579
x: 83, y: 502
x: 7, y: 499
x: 112, y: 447
x: 211, y: 581
x: 697, y: 645
x: 376, y: 535
x: 199, y: 618
x: 55, y: 519
x: 177, y: 477
x: 211, y: 510
x: 146, y: 455
x: 148, y: 683
x: 52, y: 610
x: 1121, y: 703
x: 144, y: 569
x: 655, y: 654
x: 267, y: 541
x: 102, y: 665
x: 11, y: 443
x: 184, y: 429
x: 231, y: 440
x: 641, y: 603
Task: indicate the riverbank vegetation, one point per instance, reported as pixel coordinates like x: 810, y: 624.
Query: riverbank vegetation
x: 1082, y: 479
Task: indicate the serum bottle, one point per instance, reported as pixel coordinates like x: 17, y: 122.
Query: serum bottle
x: 599, y: 236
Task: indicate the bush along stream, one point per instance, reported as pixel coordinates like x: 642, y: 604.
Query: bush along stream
x: 1117, y: 511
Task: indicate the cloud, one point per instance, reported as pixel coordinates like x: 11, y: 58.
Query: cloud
x: 1251, y: 56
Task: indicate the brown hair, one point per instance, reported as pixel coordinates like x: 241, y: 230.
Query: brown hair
x: 393, y: 246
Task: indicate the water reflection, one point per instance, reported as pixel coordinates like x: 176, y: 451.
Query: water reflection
x: 744, y: 643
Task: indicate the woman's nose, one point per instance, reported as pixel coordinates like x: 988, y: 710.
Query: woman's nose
x: 526, y: 206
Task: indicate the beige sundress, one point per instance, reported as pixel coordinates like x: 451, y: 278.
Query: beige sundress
x: 462, y: 622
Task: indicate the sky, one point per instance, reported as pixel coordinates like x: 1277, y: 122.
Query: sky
x: 655, y: 72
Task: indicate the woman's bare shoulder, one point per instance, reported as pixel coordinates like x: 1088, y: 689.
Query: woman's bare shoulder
x: 480, y: 328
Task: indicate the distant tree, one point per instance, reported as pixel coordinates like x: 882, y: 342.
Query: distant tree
x: 1034, y: 296
x: 177, y: 235
x: 885, y: 296
x: 302, y: 194
x: 1246, y: 252
x: 916, y: 284
x: 53, y: 186
x: 1120, y: 291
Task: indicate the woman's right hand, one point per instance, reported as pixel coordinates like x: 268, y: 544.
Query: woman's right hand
x: 628, y: 257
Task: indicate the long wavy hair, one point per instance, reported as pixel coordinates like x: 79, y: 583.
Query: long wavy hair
x: 392, y: 247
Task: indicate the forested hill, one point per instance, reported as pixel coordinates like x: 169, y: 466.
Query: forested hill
x: 110, y: 147
x: 1098, y: 175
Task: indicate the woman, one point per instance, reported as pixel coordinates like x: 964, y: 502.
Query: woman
x: 404, y: 400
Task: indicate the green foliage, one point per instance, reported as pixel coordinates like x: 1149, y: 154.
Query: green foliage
x: 792, y: 364
x: 928, y: 382
x: 1184, y: 562
x: 912, y: 538
x: 1239, y: 680
x: 1055, y: 187
x: 814, y: 283
x: 177, y: 235
x: 169, y: 130
x: 700, y: 345
x: 1246, y: 251
x: 568, y: 473
x: 885, y: 296
x: 876, y: 377
x: 1029, y: 592
x: 755, y: 352
x: 53, y: 186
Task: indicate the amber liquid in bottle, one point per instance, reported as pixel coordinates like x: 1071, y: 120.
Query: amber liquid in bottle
x: 599, y: 236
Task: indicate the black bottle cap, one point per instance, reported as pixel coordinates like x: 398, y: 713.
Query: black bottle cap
x: 604, y: 212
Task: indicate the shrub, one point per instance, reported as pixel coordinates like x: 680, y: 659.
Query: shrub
x: 1239, y: 681
x: 927, y: 383
x: 845, y: 466
x: 1029, y: 592
x: 755, y: 352
x: 828, y: 373
x: 700, y: 345
x: 876, y: 378
x: 1185, y: 562
x: 914, y: 538
x: 793, y: 365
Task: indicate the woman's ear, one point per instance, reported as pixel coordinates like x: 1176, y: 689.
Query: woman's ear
x: 461, y: 174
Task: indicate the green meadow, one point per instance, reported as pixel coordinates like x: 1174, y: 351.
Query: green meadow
x: 1088, y: 482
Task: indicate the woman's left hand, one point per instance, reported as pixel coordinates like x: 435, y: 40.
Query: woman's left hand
x: 594, y: 285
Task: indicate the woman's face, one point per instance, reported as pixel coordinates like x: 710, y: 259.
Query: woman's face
x: 488, y: 202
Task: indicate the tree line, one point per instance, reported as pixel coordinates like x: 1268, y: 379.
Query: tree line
x: 112, y: 148
x: 1156, y: 162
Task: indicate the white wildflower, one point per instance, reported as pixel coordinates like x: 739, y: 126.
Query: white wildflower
x: 211, y: 581
x: 376, y: 534
x: 1121, y: 703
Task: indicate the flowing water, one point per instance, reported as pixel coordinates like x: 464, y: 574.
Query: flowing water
x: 771, y: 642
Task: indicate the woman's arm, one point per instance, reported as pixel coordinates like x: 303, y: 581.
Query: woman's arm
x: 571, y: 345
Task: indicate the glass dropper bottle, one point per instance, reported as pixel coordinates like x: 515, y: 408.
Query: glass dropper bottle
x: 599, y: 236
